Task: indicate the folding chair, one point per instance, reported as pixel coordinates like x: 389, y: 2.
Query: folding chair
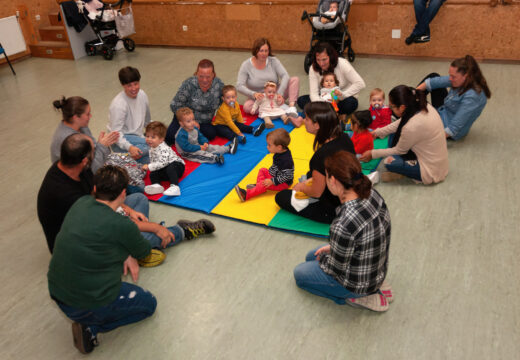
x: 2, y: 51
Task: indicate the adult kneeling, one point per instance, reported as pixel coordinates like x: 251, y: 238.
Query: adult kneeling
x: 352, y: 268
x: 463, y: 104
x: 325, y: 58
x: 93, y: 249
x: 202, y: 93
x: 418, y: 147
x: 322, y: 121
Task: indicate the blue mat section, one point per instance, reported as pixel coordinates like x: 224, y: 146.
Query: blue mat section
x: 207, y: 185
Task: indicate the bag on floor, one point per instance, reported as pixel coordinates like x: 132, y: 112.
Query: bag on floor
x: 133, y: 169
x: 125, y: 22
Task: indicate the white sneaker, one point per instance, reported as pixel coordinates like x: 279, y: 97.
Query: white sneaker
x: 153, y: 189
x: 292, y: 112
x: 173, y: 190
x: 374, y: 177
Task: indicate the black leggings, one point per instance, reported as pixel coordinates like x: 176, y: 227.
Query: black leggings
x: 319, y: 211
x: 171, y: 173
x: 437, y: 95
x: 345, y: 106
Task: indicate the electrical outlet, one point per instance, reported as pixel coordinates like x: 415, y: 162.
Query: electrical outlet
x: 396, y: 33
x: 37, y: 17
x: 17, y: 13
x: 184, y: 27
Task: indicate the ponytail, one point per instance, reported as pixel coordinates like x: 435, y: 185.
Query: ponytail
x: 346, y: 169
x: 74, y: 105
x: 474, y: 79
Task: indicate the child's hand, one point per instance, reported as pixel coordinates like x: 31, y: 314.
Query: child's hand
x: 337, y: 92
x: 145, y: 167
x: 197, y: 124
x: 204, y: 146
x: 267, y: 182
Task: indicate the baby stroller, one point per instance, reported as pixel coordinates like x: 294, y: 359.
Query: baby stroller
x: 334, y: 32
x: 104, y: 17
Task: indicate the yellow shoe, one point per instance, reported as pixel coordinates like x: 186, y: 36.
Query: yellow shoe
x: 155, y: 258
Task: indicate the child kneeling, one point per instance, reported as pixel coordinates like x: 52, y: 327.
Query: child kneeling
x: 192, y: 145
x: 280, y: 175
x: 165, y: 164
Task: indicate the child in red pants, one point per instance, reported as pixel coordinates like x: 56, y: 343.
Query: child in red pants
x: 280, y: 175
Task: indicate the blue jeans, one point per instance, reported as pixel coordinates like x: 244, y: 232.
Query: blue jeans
x: 424, y: 15
x: 155, y: 240
x: 133, y: 304
x: 310, y: 277
x: 138, y: 202
x: 139, y: 142
x: 400, y: 166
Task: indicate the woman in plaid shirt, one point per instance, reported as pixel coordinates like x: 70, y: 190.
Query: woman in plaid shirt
x: 353, y: 267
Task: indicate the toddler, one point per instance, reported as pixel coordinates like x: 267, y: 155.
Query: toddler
x: 280, y: 175
x: 269, y: 107
x: 362, y: 138
x: 229, y: 122
x: 333, y: 9
x: 330, y: 91
x: 381, y: 114
x: 164, y: 164
x: 192, y: 145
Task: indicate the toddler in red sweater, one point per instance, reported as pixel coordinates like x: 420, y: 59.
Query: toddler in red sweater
x: 381, y: 114
x: 362, y: 138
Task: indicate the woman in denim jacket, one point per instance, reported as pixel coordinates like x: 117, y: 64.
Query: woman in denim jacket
x: 462, y: 105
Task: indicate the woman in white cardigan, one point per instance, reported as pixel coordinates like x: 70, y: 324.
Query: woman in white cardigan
x: 325, y: 58
x: 417, y: 148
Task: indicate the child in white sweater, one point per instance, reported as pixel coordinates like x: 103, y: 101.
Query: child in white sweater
x: 268, y: 107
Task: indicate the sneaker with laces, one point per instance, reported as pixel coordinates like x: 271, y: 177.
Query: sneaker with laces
x: 153, y: 189
x: 374, y: 177
x: 233, y: 146
x: 387, y: 292
x: 259, y: 129
x: 421, y: 39
x: 83, y: 339
x: 242, y: 139
x: 241, y: 193
x: 375, y: 302
x: 292, y: 112
x: 220, y: 159
x: 193, y: 229
x: 173, y: 190
x: 155, y: 258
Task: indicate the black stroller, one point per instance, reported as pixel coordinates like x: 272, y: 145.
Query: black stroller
x: 334, y: 30
x: 104, y: 19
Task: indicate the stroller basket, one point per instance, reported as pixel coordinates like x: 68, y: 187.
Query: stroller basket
x: 330, y: 26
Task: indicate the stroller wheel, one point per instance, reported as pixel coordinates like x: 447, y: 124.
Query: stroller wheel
x: 129, y: 44
x: 351, y: 56
x: 108, y: 52
x: 90, y: 50
x: 307, y: 62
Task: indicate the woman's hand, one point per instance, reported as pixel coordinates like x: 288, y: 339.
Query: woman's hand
x: 322, y: 251
x: 258, y: 96
x: 367, y: 156
x: 108, y: 139
x: 279, y: 99
x: 135, y: 152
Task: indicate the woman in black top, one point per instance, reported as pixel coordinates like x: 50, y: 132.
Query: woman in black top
x: 322, y: 121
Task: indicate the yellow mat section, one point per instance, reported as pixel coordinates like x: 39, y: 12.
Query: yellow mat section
x: 301, y: 144
x: 260, y: 209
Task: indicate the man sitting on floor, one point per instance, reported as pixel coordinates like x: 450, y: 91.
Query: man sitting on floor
x: 93, y: 248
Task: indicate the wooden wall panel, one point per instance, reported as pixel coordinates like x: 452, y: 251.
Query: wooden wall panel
x: 475, y: 27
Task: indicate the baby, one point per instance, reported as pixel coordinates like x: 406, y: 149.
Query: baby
x: 280, y: 175
x: 165, y: 164
x: 362, y: 138
x: 381, y: 114
x: 333, y: 9
x: 330, y: 91
x: 229, y: 122
x: 269, y: 107
x: 192, y: 145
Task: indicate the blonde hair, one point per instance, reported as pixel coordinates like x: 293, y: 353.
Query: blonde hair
x: 182, y: 113
x: 270, y: 84
x: 377, y: 91
x: 227, y: 89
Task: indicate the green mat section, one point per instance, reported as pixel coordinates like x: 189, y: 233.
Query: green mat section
x: 287, y: 221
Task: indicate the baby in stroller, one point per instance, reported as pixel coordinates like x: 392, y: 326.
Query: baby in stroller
x: 330, y: 14
x: 333, y: 9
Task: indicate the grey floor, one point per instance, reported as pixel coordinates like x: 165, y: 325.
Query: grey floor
x: 455, y: 250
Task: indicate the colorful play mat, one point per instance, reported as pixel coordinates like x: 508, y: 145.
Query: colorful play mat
x: 209, y: 188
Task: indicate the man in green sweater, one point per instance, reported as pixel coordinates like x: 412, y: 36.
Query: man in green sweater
x: 93, y: 248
